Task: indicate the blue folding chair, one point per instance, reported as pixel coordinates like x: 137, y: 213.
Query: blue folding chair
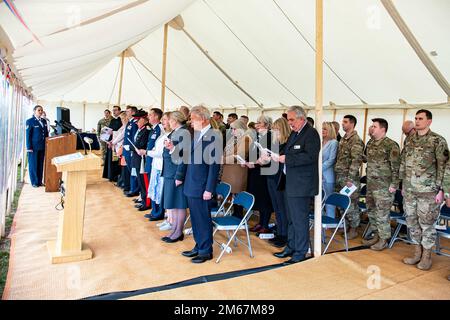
x: 343, y: 202
x: 401, y: 221
x: 223, y: 190
x: 443, y: 232
x: 232, y: 224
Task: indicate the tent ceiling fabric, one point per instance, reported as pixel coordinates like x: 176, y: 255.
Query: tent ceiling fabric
x: 264, y: 45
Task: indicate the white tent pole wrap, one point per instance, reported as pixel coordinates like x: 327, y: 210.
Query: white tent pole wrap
x: 122, y: 60
x: 318, y: 121
x: 409, y: 36
x: 164, y: 64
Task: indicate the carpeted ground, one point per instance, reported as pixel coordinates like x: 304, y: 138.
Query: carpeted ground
x: 129, y: 255
x: 352, y: 275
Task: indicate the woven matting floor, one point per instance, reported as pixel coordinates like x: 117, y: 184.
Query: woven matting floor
x: 129, y: 255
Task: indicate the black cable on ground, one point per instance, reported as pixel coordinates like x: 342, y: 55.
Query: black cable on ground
x: 195, y: 281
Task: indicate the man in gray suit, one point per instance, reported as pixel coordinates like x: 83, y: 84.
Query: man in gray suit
x: 300, y: 160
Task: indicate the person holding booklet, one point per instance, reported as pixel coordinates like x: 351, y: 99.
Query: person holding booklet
x: 235, y: 155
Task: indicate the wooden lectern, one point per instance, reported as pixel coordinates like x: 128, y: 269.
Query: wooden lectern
x: 69, y: 245
x: 54, y: 147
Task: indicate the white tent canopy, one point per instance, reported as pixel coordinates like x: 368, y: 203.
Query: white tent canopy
x: 266, y: 46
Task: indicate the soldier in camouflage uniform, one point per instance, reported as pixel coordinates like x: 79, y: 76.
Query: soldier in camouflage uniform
x: 348, y: 162
x: 446, y: 187
x: 103, y: 122
x: 383, y: 162
x: 422, y: 171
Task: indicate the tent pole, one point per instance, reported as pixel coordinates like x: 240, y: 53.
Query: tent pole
x: 414, y: 43
x: 164, y: 63
x: 318, y: 121
x: 84, y: 116
x: 122, y: 60
x: 405, y: 111
x: 366, y: 112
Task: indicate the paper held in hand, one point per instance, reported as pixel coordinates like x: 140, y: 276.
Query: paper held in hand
x: 105, y: 134
x: 348, y: 190
x: 239, y: 159
x: 266, y: 151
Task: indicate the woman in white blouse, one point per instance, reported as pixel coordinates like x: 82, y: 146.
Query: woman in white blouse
x: 155, y: 187
x: 117, y: 142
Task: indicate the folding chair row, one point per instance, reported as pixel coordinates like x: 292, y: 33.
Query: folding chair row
x: 342, y: 202
x: 223, y: 190
x: 231, y: 224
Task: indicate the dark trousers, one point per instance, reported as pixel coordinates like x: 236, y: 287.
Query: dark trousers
x: 298, y: 225
x: 157, y: 209
x: 126, y: 178
x: 202, y: 226
x: 143, y: 187
x: 36, y: 166
x: 278, y: 202
x: 264, y: 216
x: 133, y: 185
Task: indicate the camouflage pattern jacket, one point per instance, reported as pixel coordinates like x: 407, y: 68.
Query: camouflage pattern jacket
x: 102, y: 123
x: 423, y: 163
x: 383, y: 163
x: 349, y: 159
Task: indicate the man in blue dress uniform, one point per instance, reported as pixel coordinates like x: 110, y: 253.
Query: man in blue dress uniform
x: 36, y: 132
x: 130, y: 182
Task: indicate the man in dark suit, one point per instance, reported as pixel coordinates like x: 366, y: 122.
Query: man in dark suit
x: 200, y: 182
x: 36, y: 132
x: 137, y: 153
x: 300, y: 160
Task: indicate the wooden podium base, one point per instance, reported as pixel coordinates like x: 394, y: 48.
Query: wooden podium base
x: 84, y: 254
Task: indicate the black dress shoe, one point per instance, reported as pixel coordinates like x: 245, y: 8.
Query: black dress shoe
x: 136, y: 200
x: 283, y: 254
x: 279, y: 243
x: 170, y: 240
x: 132, y: 194
x: 165, y: 239
x: 137, y: 206
x: 144, y: 208
x: 148, y: 215
x: 152, y: 218
x: 190, y: 254
x: 202, y: 258
x: 292, y: 261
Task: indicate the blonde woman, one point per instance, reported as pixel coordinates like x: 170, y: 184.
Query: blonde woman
x: 257, y: 182
x: 173, y: 173
x: 280, y: 135
x: 329, y: 153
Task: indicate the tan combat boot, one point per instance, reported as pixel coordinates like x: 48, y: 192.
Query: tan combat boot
x: 425, y: 262
x: 380, y: 245
x: 352, y: 234
x: 417, y: 255
x: 371, y: 241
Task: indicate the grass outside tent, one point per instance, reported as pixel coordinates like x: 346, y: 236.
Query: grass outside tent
x: 5, y: 241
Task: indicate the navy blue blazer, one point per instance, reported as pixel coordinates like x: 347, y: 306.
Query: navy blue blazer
x: 36, y: 132
x: 204, y: 164
x: 174, y: 165
x: 155, y: 132
x: 140, y: 141
x: 302, y: 170
x: 129, y: 133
